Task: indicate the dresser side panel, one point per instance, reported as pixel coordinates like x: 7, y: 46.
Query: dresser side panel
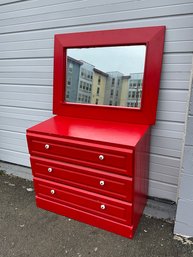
x: 141, y: 174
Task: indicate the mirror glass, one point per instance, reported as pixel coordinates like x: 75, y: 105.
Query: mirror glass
x: 105, y: 75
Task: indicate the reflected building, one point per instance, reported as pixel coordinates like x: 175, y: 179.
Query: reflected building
x: 124, y: 91
x: 113, y: 88
x: 99, y: 86
x: 135, y: 90
x: 72, y: 80
x: 85, y: 83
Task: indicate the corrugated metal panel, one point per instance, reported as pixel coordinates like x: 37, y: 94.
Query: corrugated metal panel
x: 27, y: 29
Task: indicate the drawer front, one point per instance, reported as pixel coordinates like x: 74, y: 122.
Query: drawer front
x: 86, y: 201
x: 104, y: 157
x: 117, y: 186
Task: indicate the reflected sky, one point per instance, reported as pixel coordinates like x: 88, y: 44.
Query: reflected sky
x: 125, y: 59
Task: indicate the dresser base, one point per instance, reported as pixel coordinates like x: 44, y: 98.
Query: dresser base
x: 92, y: 171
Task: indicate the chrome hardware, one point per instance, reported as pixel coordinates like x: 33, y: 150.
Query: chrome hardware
x: 52, y: 191
x: 103, y: 206
x: 49, y: 169
x: 102, y: 183
x: 101, y: 157
x: 47, y: 146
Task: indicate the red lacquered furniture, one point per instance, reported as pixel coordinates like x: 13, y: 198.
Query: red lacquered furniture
x: 89, y: 162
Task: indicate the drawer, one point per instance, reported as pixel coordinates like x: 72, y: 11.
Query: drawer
x: 86, y: 217
x: 112, y: 159
x: 112, y: 185
x: 103, y: 206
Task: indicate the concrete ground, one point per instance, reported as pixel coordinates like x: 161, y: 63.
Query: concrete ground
x: 26, y: 231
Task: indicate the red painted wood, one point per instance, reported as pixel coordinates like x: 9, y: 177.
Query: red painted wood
x: 116, y: 186
x: 81, y: 133
x: 73, y: 155
x: 89, y: 156
x: 82, y: 178
x: 115, y: 209
x: 86, y: 217
x: 151, y: 37
x: 98, y: 131
x: 141, y: 175
x: 116, y: 160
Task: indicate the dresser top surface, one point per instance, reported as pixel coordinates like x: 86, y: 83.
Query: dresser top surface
x: 91, y: 130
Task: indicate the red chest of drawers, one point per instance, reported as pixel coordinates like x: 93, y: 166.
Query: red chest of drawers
x: 90, y: 162
x: 91, y: 171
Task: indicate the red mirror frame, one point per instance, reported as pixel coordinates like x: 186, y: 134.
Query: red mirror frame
x: 151, y: 37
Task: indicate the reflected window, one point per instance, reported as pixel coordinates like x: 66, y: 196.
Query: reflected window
x: 70, y: 67
x: 99, y: 80
x: 67, y: 95
x: 69, y: 81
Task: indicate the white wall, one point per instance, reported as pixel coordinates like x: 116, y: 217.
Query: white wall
x: 184, y: 222
x: 27, y: 29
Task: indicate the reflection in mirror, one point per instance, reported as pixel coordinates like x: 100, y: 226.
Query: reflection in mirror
x: 105, y: 75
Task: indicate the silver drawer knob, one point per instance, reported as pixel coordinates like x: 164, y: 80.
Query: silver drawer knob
x: 102, y: 183
x: 103, y: 206
x: 49, y: 169
x: 101, y: 157
x: 52, y: 191
x: 47, y: 146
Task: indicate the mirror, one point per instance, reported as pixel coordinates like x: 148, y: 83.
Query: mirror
x: 105, y: 75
